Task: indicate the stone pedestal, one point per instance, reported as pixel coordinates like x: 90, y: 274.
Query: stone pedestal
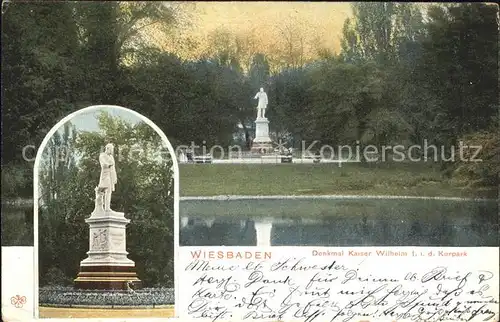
x: 107, y: 266
x: 262, y: 142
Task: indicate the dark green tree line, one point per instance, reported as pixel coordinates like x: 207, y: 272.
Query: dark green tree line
x: 405, y: 74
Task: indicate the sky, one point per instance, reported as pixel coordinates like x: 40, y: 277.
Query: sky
x: 88, y: 121
x: 319, y: 22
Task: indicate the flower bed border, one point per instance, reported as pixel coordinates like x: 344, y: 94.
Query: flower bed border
x: 59, y: 296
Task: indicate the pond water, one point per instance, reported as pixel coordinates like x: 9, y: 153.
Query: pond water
x: 338, y: 222
x: 313, y: 222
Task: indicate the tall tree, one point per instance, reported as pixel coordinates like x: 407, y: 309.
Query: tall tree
x: 378, y: 30
x: 110, y: 33
x: 59, y: 161
x: 39, y: 68
x: 259, y: 71
x: 292, y: 48
x: 459, y: 68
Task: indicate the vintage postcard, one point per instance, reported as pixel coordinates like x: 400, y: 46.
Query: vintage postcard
x: 250, y: 161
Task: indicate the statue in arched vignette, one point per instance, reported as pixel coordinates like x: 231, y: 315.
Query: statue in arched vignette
x: 107, y: 266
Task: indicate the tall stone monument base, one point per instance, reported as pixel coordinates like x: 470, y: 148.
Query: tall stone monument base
x: 107, y: 266
x: 262, y: 144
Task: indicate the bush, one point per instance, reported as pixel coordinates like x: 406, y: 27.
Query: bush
x: 17, y: 181
x: 480, y: 173
x: 55, y: 276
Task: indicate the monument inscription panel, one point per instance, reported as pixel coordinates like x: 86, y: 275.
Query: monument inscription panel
x: 99, y: 239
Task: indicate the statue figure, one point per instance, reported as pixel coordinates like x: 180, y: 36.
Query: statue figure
x: 261, y: 107
x: 107, y: 180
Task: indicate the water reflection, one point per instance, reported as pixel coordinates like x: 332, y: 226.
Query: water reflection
x: 221, y: 233
x: 379, y: 223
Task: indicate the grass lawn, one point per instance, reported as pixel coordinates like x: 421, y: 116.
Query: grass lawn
x: 417, y: 179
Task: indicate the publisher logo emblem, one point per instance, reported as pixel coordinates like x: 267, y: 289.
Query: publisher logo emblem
x: 18, y: 301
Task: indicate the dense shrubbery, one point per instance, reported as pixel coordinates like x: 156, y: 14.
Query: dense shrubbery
x: 485, y: 172
x: 17, y: 224
x: 17, y: 181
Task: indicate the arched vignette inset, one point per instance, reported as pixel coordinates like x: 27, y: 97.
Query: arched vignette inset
x: 36, y: 166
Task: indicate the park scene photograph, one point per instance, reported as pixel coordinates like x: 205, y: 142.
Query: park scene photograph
x: 293, y: 123
x: 105, y: 207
